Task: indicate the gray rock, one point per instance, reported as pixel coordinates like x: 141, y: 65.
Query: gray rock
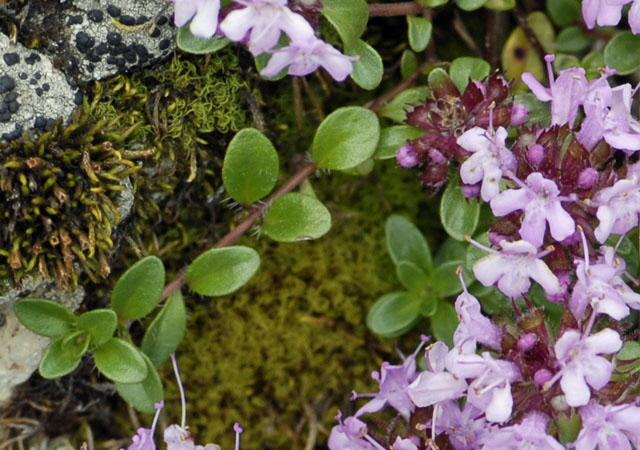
x: 33, y: 94
x: 114, y: 36
x: 22, y: 349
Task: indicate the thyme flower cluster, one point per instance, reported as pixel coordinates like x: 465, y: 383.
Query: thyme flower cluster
x: 564, y: 196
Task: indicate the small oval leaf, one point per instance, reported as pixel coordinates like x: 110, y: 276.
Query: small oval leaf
x: 459, y: 215
x: 221, y: 271
x: 406, y: 243
x: 100, y: 324
x: 250, y: 168
x: 138, y: 290
x: 419, y: 32
x: 166, y: 330
x: 444, y: 323
x: 465, y: 68
x: 623, y: 53
x: 57, y: 360
x: 45, y: 317
x: 393, y: 314
x: 296, y: 217
x: 368, y: 68
x: 411, y: 276
x: 142, y: 396
x: 346, y: 138
x: 120, y: 361
x: 186, y: 41
x: 348, y: 17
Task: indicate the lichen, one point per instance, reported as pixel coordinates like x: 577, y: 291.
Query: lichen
x: 286, y: 351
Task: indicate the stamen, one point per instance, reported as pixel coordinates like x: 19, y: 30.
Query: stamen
x: 238, y: 429
x: 182, y: 396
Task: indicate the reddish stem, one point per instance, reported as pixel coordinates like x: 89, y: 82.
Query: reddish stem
x: 394, y: 9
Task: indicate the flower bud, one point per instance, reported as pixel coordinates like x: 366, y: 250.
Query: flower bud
x: 519, y: 114
x: 535, y: 154
x: 406, y: 156
x: 587, y: 178
x: 542, y: 376
x: 527, y: 341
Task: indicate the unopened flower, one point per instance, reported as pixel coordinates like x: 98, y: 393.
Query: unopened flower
x: 581, y: 364
x: 202, y: 13
x: 407, y: 156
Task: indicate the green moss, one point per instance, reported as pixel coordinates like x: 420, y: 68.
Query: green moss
x: 294, y: 340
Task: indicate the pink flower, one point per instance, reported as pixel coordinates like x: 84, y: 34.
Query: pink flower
x: 202, y: 13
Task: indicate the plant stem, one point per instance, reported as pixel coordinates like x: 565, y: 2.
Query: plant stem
x: 394, y: 9
x: 256, y: 212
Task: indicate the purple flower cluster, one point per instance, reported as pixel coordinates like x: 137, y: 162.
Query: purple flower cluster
x: 261, y: 24
x: 558, y: 193
x: 177, y: 437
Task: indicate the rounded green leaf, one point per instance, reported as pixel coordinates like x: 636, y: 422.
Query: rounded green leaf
x: 45, y: 317
x: 393, y: 314
x: 411, y: 276
x: 120, y: 361
x: 394, y: 137
x: 572, y: 40
x: 408, y: 63
x: 100, y: 324
x: 397, y: 108
x: 138, y: 290
x: 348, y: 17
x: 465, y: 68
x: 368, y: 68
x: 459, y: 215
x: 406, y: 243
x: 346, y: 138
x: 470, y: 5
x: 187, y: 42
x: 444, y: 323
x: 500, y: 5
x: 142, y: 396
x: 445, y: 280
x: 419, y: 32
x: 623, y: 53
x: 221, y: 271
x: 564, y: 12
x: 250, y: 169
x: 58, y: 360
x: 296, y: 217
x: 166, y: 331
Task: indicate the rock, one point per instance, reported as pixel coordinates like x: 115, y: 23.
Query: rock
x: 33, y: 94
x: 22, y: 349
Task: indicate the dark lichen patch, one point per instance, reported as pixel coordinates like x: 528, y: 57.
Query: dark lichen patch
x: 59, y: 198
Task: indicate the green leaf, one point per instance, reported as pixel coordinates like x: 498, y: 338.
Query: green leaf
x: 348, y: 17
x: 466, y: 67
x: 470, y: 5
x: 406, y: 243
x: 623, y: 53
x: 444, y: 323
x: 411, y: 276
x: 432, y: 3
x: 296, y: 217
x: 120, y: 361
x: 142, y: 396
x: 189, y: 43
x: 397, y: 108
x: 419, y: 32
x: 393, y: 314
x: 592, y: 63
x: 58, y: 360
x: 221, y: 271
x: 630, y: 351
x: 166, y: 331
x: 428, y: 303
x: 76, y: 343
x: 346, y: 138
x: 408, y: 63
x: 445, y: 280
x: 500, y: 5
x: 250, y: 168
x: 368, y: 68
x: 100, y: 324
x: 459, y: 216
x: 572, y: 40
x: 394, y: 137
x: 564, y: 12
x: 138, y: 290
x: 45, y: 317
